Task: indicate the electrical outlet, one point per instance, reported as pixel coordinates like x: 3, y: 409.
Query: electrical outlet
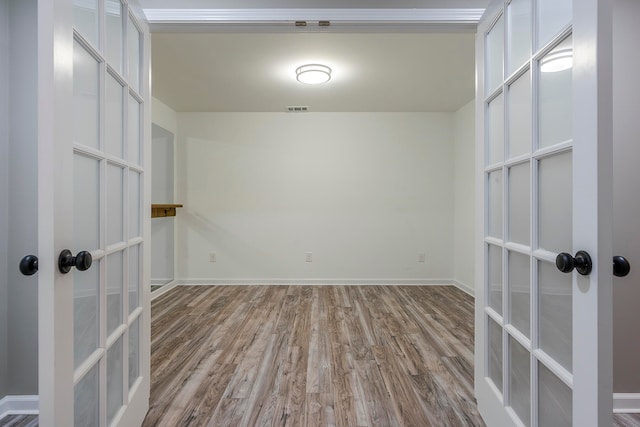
x: 308, y: 257
x: 212, y: 257
x: 422, y: 257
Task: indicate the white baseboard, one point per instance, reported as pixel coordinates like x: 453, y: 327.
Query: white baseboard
x: 18, y: 405
x: 413, y: 282
x: 464, y: 287
x: 160, y: 281
x: 164, y: 289
x: 626, y: 403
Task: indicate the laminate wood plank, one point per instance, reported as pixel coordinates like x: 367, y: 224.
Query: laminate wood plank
x: 19, y: 421
x: 408, y: 407
x: 344, y: 296
x: 318, y: 369
x: 316, y: 356
x: 225, y: 414
x: 365, y: 322
x: 358, y: 339
x: 301, y: 328
x: 626, y: 420
x: 261, y: 403
x: 461, y: 372
x: 348, y: 408
x: 319, y: 410
x: 188, y: 338
x: 256, y: 351
x: 292, y: 391
x: 378, y: 408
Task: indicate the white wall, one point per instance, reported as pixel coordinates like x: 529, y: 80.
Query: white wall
x: 464, y: 197
x: 365, y: 193
x: 163, y: 116
x: 4, y: 189
x: 626, y: 176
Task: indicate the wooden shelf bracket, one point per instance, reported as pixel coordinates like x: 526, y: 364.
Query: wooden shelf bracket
x: 164, y: 210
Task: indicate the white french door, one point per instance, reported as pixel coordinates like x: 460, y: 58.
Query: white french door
x: 543, y: 336
x: 93, y: 151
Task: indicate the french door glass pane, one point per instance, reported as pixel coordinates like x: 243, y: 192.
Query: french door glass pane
x: 115, y: 203
x: 108, y: 119
x: 528, y: 148
x: 114, y: 380
x: 86, y: 312
x: 134, y: 131
x: 113, y: 9
x: 85, y: 19
x: 495, y: 278
x: 114, y: 291
x: 553, y: 16
x: 554, y: 188
x: 86, y: 398
x: 555, y: 405
x: 519, y: 205
x: 519, y: 13
x: 555, y: 95
x: 519, y: 291
x: 496, y: 130
x: 495, y: 353
x: 134, y: 204
x: 555, y: 311
x: 520, y: 382
x: 495, y: 54
x: 114, y: 116
x: 134, y: 277
x: 134, y: 351
x: 133, y: 37
x: 86, y: 78
x: 520, y: 128
x: 495, y: 204
x: 86, y: 209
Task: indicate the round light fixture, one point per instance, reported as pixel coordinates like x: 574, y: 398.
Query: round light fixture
x: 558, y: 60
x: 313, y: 74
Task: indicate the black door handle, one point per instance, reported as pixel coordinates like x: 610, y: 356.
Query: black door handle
x: 29, y: 265
x: 581, y: 262
x: 621, y: 266
x: 66, y: 261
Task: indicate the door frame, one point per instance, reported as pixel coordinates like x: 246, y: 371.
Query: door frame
x: 55, y: 136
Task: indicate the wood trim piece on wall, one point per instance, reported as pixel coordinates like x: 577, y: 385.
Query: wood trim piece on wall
x: 164, y: 210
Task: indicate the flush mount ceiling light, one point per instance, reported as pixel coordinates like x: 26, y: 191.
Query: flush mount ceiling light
x: 313, y: 74
x: 558, y: 60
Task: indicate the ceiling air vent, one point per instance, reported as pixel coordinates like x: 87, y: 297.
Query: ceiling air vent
x: 297, y: 109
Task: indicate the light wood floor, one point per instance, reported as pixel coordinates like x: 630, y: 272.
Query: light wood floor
x: 19, y: 421
x: 626, y: 420
x: 312, y: 356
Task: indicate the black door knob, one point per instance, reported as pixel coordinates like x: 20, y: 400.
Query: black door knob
x: 29, y: 265
x: 621, y: 266
x: 66, y: 261
x: 581, y: 262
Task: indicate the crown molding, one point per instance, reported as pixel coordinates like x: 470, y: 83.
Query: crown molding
x: 183, y: 16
